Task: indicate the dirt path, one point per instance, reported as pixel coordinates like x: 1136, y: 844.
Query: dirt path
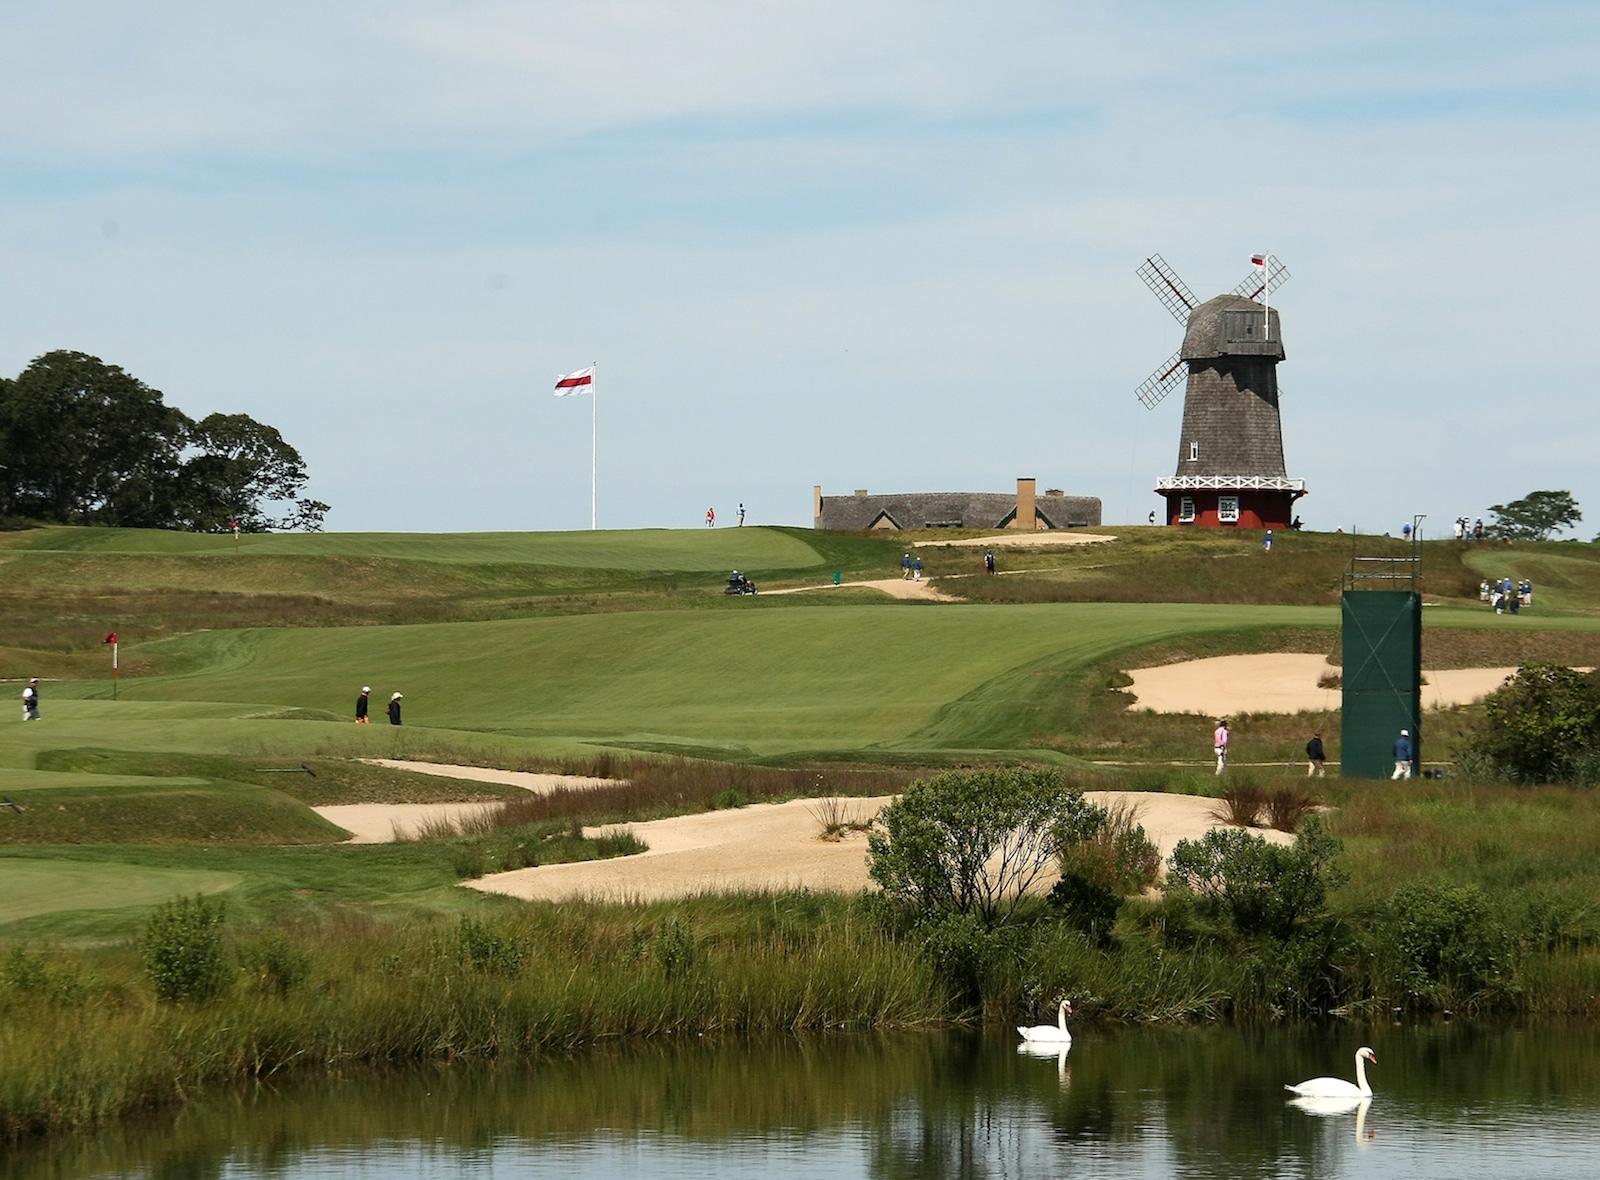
x: 776, y: 846
x: 1281, y: 682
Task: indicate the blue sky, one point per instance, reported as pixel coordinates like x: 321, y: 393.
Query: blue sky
x: 882, y: 245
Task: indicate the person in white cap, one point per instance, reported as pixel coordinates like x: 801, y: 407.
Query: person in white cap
x: 361, y: 705
x: 30, y: 701
x: 1402, y: 755
x: 394, y: 709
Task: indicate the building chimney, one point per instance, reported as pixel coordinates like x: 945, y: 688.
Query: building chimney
x: 816, y: 506
x: 1026, y: 517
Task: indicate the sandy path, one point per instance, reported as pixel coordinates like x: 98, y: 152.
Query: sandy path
x: 1019, y: 540
x: 893, y: 587
x: 774, y: 846
x: 383, y: 823
x: 539, y: 784
x: 1282, y: 682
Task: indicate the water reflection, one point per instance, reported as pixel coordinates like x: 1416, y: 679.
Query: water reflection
x: 1452, y: 1101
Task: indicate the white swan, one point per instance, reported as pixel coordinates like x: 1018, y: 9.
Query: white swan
x: 1338, y: 1087
x: 1051, y: 1034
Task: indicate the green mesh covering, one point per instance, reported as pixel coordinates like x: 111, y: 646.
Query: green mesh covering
x: 1382, y: 678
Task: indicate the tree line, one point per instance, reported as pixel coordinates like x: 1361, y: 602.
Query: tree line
x: 84, y: 442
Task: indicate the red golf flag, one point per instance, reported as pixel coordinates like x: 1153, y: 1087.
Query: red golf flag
x: 112, y: 638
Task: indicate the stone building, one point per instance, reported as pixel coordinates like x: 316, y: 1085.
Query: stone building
x: 1024, y: 509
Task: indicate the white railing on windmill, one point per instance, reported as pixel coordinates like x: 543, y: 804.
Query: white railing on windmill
x: 1180, y: 302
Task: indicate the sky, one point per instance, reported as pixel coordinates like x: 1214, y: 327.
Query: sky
x: 872, y: 244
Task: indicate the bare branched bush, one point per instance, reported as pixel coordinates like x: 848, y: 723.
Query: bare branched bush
x: 1240, y: 803
x: 1287, y: 805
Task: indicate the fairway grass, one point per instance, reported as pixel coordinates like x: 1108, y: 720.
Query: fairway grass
x: 793, y: 682
x: 29, y: 888
x: 636, y: 549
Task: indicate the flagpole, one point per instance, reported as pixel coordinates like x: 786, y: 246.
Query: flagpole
x: 594, y: 450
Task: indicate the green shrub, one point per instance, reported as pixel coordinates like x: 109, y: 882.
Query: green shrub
x: 972, y: 842
x: 1087, y: 906
x: 1119, y: 856
x: 1260, y: 888
x: 1541, y: 727
x: 182, y: 950
x: 1444, y: 944
x: 276, y: 967
x: 675, y: 947
x: 489, y: 951
x: 727, y: 800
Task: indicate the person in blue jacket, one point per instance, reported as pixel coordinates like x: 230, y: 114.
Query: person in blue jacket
x: 1402, y: 755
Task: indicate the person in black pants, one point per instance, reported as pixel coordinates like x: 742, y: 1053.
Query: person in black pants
x: 361, y: 706
x: 1316, y: 758
x: 394, y: 709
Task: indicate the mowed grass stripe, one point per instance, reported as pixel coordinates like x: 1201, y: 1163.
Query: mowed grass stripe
x: 847, y: 675
x: 701, y: 550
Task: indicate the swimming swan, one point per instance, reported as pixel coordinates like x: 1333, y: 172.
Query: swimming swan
x: 1054, y: 1034
x: 1338, y: 1087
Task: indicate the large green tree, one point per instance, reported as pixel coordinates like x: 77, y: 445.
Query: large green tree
x: 84, y: 442
x: 1536, y: 517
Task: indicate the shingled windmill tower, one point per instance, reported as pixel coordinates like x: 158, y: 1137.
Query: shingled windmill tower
x: 1230, y: 454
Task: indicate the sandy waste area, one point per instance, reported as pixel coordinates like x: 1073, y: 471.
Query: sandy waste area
x: 1282, y: 682
x: 778, y: 846
x: 760, y: 847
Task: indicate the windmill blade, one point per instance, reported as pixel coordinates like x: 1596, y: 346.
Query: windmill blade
x: 1173, y: 292
x: 1163, y: 381
x: 1255, y: 283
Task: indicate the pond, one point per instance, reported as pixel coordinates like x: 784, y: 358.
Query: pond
x: 1451, y: 1101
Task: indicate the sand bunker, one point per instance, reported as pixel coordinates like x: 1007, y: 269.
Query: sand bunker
x: 1010, y: 540
x: 539, y: 784
x: 777, y: 846
x: 893, y: 587
x: 1283, y: 682
x: 382, y: 823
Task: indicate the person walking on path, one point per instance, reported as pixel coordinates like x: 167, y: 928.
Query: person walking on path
x: 741, y: 515
x: 1402, y: 755
x: 1266, y: 542
x: 361, y: 705
x: 916, y: 569
x: 988, y: 562
x: 905, y: 567
x: 1316, y: 758
x: 1219, y: 742
x: 30, y: 701
x: 394, y: 709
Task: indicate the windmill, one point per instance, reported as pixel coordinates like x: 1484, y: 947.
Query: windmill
x: 1230, y: 454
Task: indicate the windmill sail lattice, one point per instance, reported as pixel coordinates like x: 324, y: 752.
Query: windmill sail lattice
x: 1230, y: 455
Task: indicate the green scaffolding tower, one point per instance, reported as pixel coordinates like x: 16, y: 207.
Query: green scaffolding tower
x: 1381, y: 620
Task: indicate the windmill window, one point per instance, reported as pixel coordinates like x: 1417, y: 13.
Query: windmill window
x: 1186, y: 510
x: 1228, y: 509
x: 1194, y: 452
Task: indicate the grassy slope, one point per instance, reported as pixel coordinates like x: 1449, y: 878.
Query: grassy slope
x: 777, y: 679
x: 767, y: 680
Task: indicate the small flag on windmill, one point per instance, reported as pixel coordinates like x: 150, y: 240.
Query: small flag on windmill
x: 1260, y: 260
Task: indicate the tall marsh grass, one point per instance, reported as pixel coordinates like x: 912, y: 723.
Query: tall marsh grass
x: 89, y: 1040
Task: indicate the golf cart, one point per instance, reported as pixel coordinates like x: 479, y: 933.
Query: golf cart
x: 739, y: 584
